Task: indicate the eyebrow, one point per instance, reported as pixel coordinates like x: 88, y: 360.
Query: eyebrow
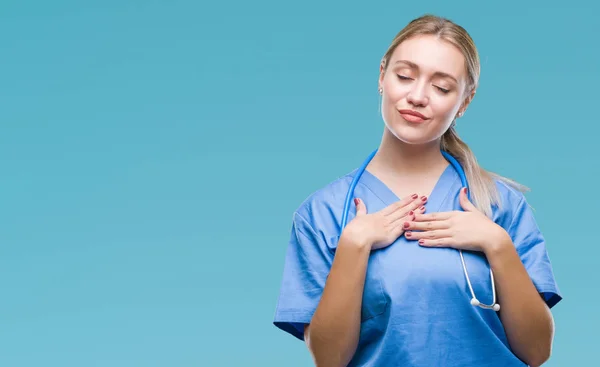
x: 415, y: 66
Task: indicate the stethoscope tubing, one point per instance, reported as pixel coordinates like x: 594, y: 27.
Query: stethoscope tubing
x: 349, y: 197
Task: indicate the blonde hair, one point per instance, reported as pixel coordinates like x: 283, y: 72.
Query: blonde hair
x: 482, y: 183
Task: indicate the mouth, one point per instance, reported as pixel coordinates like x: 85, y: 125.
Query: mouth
x: 412, y: 116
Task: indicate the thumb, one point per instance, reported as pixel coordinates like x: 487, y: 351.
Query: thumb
x: 361, y: 209
x: 465, y: 203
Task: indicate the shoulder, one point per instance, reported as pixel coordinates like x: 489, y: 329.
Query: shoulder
x: 321, y: 210
x: 511, y: 202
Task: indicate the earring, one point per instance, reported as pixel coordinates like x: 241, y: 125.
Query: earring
x: 380, y: 90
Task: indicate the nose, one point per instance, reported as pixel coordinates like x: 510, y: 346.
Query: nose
x: 417, y: 95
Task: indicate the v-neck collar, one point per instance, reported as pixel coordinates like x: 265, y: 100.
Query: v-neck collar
x: 440, y: 192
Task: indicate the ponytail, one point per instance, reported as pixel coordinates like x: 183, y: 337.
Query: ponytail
x: 482, y: 183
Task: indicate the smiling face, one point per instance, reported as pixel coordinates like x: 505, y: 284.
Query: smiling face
x: 424, y: 88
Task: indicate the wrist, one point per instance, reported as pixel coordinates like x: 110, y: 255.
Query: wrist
x: 348, y: 240
x: 500, y: 243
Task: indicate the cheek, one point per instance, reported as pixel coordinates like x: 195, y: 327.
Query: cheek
x: 444, y: 109
x: 395, y: 95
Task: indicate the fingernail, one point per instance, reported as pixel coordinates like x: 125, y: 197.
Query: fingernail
x: 423, y: 198
x: 406, y: 225
x: 407, y: 234
x: 465, y: 190
x: 411, y: 212
x: 415, y: 196
x: 355, y: 201
x: 422, y: 208
x: 421, y: 241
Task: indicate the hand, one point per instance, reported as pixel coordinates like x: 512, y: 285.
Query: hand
x: 465, y: 230
x: 381, y: 229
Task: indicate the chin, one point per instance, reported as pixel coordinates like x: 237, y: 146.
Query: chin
x: 410, y: 134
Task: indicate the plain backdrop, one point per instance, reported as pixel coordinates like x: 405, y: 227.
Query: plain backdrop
x: 152, y: 154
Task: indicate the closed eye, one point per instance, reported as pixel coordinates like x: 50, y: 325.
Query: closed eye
x: 443, y: 90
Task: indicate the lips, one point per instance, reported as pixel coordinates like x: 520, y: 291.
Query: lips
x: 412, y: 116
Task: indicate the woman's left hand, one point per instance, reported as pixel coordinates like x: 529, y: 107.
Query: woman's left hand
x: 465, y: 230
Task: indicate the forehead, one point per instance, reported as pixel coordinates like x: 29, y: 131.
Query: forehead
x: 431, y: 54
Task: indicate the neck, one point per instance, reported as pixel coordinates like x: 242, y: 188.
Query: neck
x: 402, y: 159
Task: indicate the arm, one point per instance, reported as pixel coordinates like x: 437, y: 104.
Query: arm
x: 324, y: 290
x: 526, y: 317
x: 332, y: 336
x: 519, y: 260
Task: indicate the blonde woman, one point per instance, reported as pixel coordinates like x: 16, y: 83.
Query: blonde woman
x: 423, y: 271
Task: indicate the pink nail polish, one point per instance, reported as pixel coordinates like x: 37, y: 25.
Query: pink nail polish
x: 406, y: 225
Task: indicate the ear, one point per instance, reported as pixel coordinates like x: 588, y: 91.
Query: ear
x: 465, y: 104
x: 381, y: 74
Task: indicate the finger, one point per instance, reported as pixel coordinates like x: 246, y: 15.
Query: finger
x: 409, y: 217
x: 425, y: 226
x: 406, y: 210
x: 437, y: 242
x: 465, y: 203
x: 406, y: 215
x: 361, y: 208
x: 427, y: 235
x: 398, y: 230
x: 433, y: 217
x: 409, y: 212
x: 400, y: 204
x: 403, y: 217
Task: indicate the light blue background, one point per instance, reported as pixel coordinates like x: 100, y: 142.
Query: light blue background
x: 152, y: 153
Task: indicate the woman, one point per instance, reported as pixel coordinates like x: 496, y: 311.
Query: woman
x: 389, y: 289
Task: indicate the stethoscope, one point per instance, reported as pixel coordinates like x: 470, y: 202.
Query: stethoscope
x: 349, y: 197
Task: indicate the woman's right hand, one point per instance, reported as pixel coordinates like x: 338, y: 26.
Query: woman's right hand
x: 380, y: 229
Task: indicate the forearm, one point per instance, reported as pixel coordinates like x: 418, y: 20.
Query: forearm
x: 334, y: 330
x: 526, y: 318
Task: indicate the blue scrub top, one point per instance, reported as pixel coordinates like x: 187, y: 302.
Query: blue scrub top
x: 416, y: 307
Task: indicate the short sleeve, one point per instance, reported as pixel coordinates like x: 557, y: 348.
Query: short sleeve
x: 531, y: 247
x: 307, y: 263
